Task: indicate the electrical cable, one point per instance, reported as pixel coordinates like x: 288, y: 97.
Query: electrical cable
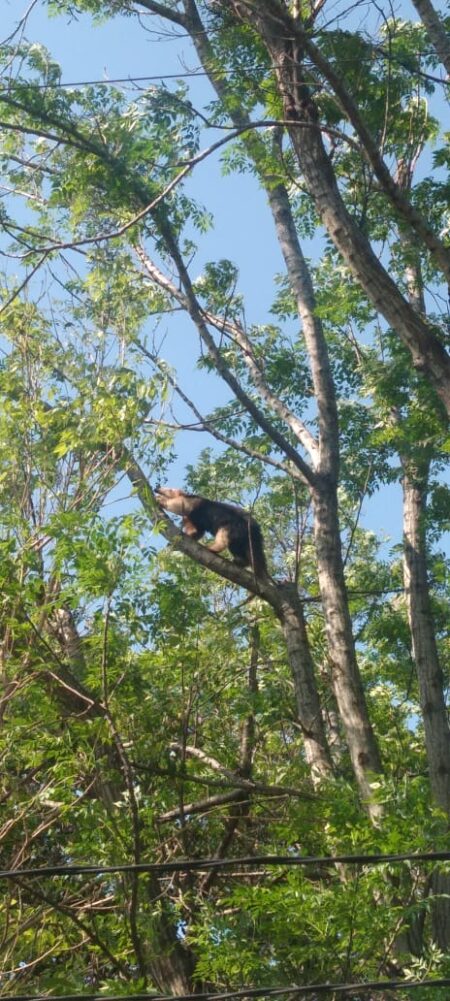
x: 191, y: 865
x: 250, y: 992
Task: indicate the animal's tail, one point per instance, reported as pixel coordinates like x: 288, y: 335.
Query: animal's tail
x: 256, y: 547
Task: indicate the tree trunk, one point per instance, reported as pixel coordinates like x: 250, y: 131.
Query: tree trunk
x: 346, y: 679
x: 326, y: 456
x: 435, y: 30
x: 420, y: 618
x: 290, y: 613
x: 171, y: 964
x: 427, y: 352
x: 283, y: 598
x: 429, y: 673
x: 323, y: 489
x: 284, y: 45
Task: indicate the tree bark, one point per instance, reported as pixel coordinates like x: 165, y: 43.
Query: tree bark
x: 435, y: 30
x: 326, y: 456
x: 346, y: 679
x: 348, y: 689
x: 429, y: 674
x: 290, y: 613
x: 345, y: 674
x: 422, y: 630
x: 427, y: 353
x: 284, y: 45
x: 415, y: 573
x: 420, y: 618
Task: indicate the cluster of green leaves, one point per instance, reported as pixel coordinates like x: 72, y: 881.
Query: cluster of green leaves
x: 135, y: 683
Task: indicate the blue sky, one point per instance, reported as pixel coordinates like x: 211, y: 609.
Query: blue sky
x: 120, y: 47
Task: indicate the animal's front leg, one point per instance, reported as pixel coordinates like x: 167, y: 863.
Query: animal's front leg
x: 191, y: 530
x: 220, y: 542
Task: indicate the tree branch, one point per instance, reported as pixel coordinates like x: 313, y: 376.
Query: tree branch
x: 163, y: 11
x: 201, y: 806
x: 205, y: 424
x: 189, y: 301
x: 236, y: 331
x: 435, y: 30
x: 396, y: 195
x: 201, y: 554
x: 236, y: 780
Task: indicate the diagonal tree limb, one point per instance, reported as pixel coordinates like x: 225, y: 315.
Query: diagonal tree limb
x: 200, y: 318
x: 435, y: 29
x: 205, y: 424
x: 284, y: 42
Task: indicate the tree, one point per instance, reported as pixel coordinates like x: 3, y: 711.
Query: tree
x: 177, y: 718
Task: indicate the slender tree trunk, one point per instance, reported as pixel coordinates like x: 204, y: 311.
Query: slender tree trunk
x: 421, y: 625
x: 346, y: 679
x: 290, y: 612
x: 283, y: 598
x: 420, y: 618
x: 364, y: 755
x: 429, y: 673
x: 278, y: 30
x: 427, y: 353
x: 325, y: 459
x: 415, y: 573
x: 435, y: 29
x: 325, y: 462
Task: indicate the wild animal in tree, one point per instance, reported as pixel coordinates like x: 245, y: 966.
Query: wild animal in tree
x: 232, y: 527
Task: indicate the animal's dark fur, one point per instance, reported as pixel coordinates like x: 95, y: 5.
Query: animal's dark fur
x: 232, y: 527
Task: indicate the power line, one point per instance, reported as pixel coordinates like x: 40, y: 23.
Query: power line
x: 191, y: 865
x: 55, y: 85
x: 107, y: 83
x: 250, y: 992
x: 308, y: 990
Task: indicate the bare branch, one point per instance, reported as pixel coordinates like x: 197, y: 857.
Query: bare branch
x: 23, y: 284
x: 189, y: 301
x: 163, y: 11
x: 435, y: 29
x: 201, y: 806
x: 300, y: 430
x: 206, y: 424
x: 237, y: 780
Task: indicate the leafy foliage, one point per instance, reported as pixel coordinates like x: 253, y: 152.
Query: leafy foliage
x: 150, y: 709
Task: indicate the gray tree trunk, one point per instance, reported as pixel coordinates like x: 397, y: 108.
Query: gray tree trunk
x: 435, y: 29
x: 284, y: 44
x: 429, y: 674
x: 323, y: 483
x: 424, y: 648
x: 346, y: 678
x: 290, y: 613
x: 283, y: 598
